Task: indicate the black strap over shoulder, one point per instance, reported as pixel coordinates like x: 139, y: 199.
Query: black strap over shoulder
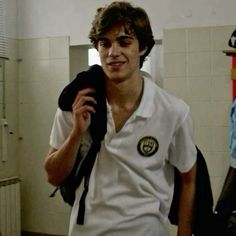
x: 94, y: 77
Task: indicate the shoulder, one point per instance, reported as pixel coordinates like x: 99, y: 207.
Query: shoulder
x: 63, y: 119
x: 164, y: 101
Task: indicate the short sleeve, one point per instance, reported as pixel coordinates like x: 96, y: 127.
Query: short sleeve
x: 182, y: 152
x: 62, y: 125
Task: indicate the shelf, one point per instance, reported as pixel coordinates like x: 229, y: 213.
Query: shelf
x: 230, y: 52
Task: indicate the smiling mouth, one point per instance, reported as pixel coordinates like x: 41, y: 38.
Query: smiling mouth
x: 116, y: 63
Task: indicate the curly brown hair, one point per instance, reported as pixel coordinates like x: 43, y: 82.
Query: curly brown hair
x: 135, y: 20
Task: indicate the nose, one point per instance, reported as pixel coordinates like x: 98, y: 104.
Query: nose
x: 114, y: 50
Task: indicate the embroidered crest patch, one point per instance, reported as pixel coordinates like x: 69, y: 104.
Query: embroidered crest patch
x: 147, y: 146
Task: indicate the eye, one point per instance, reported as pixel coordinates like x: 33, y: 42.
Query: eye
x: 125, y: 42
x: 104, y: 43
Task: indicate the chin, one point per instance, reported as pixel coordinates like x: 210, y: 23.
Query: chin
x: 118, y: 75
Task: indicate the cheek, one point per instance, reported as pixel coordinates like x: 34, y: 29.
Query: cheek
x: 134, y: 53
x: 102, y: 54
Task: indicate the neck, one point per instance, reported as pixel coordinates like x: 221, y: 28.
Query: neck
x: 126, y: 94
x: 124, y: 98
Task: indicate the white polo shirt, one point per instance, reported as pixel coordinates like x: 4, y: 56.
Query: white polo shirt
x: 131, y: 184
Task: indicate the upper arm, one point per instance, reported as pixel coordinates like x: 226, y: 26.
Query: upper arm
x: 62, y: 125
x: 189, y: 177
x: 182, y: 151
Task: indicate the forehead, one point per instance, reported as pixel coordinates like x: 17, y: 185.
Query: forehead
x: 117, y: 31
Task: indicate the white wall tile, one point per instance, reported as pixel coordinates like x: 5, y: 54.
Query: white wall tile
x: 221, y: 113
x: 176, y: 86
x: 11, y: 92
x: 79, y: 60
x: 200, y: 88
x: 203, y: 137
x: 38, y: 92
x: 174, y: 40
x: 201, y: 113
x: 222, y: 88
x: 220, y: 138
x: 221, y: 64
x: 59, y: 47
x: 218, y: 163
x: 199, y: 64
x: 198, y: 39
x: 12, y: 49
x: 175, y: 64
x: 35, y: 49
x: 59, y: 70
x: 11, y: 71
x: 34, y: 70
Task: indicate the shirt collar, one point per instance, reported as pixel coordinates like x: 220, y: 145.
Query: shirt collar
x: 146, y: 106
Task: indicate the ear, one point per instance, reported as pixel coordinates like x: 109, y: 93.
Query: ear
x: 142, y: 51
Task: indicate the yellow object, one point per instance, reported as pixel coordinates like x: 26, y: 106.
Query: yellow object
x: 233, y: 73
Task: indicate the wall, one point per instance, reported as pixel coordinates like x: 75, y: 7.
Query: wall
x: 10, y: 166
x: 11, y: 18
x: 43, y: 72
x: 78, y: 60
x: 196, y: 70
x: 73, y: 17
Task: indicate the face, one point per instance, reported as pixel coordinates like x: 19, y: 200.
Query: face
x: 119, y: 53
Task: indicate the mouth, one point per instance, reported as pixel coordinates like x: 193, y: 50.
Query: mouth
x: 116, y: 64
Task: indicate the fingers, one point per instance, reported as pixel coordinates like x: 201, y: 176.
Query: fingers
x: 84, y: 101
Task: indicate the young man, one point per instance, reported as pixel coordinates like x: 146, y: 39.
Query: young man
x: 149, y: 132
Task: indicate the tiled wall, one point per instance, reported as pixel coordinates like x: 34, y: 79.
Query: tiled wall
x: 197, y: 71
x: 10, y: 167
x: 43, y: 72
x: 78, y: 60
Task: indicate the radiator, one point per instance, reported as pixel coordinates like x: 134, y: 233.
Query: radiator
x: 10, y: 207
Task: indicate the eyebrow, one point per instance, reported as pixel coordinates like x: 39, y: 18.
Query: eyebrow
x: 125, y: 37
x: 121, y: 37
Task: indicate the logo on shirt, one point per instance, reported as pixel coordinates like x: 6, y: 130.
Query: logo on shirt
x: 147, y: 146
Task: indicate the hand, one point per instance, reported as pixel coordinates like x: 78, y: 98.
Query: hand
x: 82, y: 107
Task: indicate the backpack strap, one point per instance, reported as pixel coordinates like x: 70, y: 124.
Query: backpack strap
x: 87, y: 168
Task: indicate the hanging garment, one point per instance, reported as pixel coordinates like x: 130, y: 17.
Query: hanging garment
x: 203, y: 210
x: 232, y: 144
x: 232, y: 40
x: 226, y: 206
